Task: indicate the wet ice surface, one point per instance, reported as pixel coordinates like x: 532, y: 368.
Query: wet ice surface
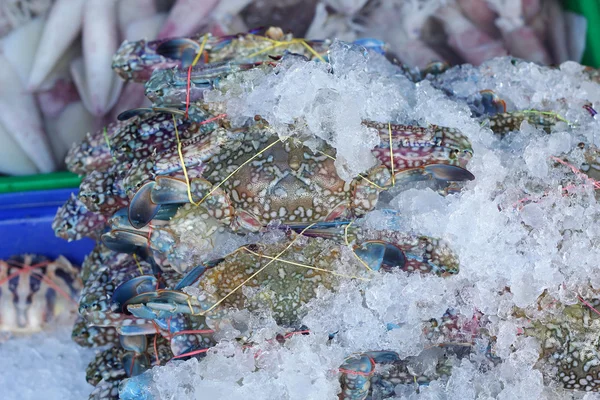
x: 47, y: 365
x: 512, y: 228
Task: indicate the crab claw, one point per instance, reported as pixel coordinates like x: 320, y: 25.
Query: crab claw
x: 141, y: 208
x: 376, y: 45
x: 124, y: 241
x: 137, y: 344
x: 492, y: 103
x: 183, y: 49
x: 133, y: 287
x: 169, y: 190
x: 381, y: 255
x: 445, y: 172
x: 135, y: 364
x: 358, y: 369
x: 170, y: 301
x: 134, y: 112
x: 191, y: 277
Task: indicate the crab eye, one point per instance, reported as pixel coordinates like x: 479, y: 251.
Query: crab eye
x: 454, y: 154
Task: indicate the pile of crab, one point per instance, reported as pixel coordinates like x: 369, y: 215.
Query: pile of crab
x: 196, y: 217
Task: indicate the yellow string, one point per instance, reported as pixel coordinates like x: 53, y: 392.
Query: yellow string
x: 353, y: 252
x: 553, y: 114
x: 289, y: 42
x: 185, y: 174
x: 254, y: 274
x: 138, y: 264
x: 314, y: 53
x: 108, y: 144
x: 305, y: 266
x: 391, y: 153
x: 201, y: 50
x: 362, y: 176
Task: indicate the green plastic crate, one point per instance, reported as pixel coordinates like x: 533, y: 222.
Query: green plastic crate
x: 590, y: 9
x: 55, y: 180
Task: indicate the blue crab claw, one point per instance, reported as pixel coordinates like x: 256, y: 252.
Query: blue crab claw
x: 123, y: 241
x: 435, y: 68
x: 133, y: 287
x: 135, y: 364
x: 143, y: 111
x: 169, y: 190
x: 141, y: 208
x: 196, y: 273
x: 134, y: 112
x: 372, y: 44
x: 168, y: 301
x: 445, y: 172
x: 137, y: 344
x: 492, y: 104
x: 142, y: 311
x: 179, y: 49
x: 358, y: 369
x: 381, y: 255
x: 136, y: 388
x: 441, y: 172
x: 137, y: 329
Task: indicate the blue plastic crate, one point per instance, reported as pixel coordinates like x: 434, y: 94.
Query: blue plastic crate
x: 26, y: 225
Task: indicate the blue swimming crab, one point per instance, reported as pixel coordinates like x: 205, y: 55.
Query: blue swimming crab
x: 136, y: 60
x: 257, y: 177
x: 284, y: 276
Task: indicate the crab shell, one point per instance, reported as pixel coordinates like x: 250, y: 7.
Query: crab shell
x: 35, y: 290
x: 569, y: 342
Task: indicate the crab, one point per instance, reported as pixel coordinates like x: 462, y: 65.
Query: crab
x: 375, y: 374
x: 506, y: 122
x: 136, y: 60
x: 131, y: 358
x: 93, y: 153
x: 172, y: 86
x: 103, y: 192
x: 34, y: 291
x: 74, y: 221
x: 284, y: 276
x: 257, y: 178
x: 93, y: 336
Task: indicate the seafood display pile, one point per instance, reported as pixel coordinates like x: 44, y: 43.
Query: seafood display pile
x: 306, y: 219
x: 57, y: 53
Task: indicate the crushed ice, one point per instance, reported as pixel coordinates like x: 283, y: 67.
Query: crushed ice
x: 511, y: 227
